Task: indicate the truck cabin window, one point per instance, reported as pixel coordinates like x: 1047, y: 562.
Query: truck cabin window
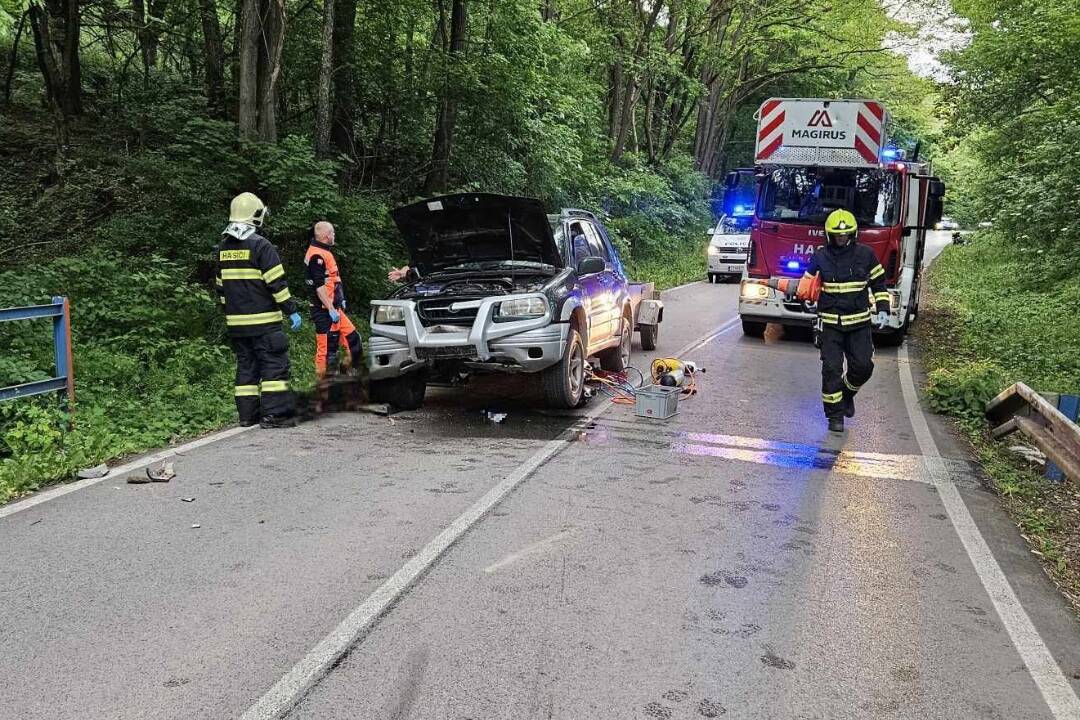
x: 806, y: 196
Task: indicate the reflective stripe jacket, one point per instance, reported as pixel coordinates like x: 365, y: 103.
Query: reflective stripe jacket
x: 322, y: 271
x: 250, y: 282
x: 847, y: 273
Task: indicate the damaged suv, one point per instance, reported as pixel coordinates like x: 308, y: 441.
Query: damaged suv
x: 505, y: 287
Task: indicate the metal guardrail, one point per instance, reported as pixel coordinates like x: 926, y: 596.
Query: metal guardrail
x: 1021, y: 408
x: 60, y: 312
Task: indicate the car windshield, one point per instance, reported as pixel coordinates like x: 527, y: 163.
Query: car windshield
x: 734, y: 225
x: 806, y: 196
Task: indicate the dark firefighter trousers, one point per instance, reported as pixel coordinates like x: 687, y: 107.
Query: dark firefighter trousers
x: 856, y: 346
x: 262, y: 376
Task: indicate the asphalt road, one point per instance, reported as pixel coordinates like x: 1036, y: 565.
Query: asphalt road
x: 733, y: 561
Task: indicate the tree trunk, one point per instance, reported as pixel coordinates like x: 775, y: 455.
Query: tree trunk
x: 213, y: 58
x: 51, y: 72
x: 248, y: 111
x: 13, y: 61
x: 439, y: 175
x: 270, y: 68
x: 323, y: 110
x: 343, y: 126
x: 548, y: 10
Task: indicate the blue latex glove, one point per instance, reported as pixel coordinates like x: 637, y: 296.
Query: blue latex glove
x: 295, y: 320
x: 334, y: 316
x: 882, y: 320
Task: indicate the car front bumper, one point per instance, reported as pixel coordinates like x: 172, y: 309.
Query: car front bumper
x: 527, y: 345
x: 727, y: 264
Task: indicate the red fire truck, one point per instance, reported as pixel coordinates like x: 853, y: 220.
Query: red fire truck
x: 814, y: 156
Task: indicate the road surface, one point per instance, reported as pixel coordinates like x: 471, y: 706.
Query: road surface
x: 734, y: 561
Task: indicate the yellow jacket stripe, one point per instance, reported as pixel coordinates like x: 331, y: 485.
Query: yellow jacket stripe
x: 246, y: 390
x: 844, y: 287
x: 878, y: 297
x: 833, y: 319
x: 241, y: 274
x: 282, y: 296
x: 877, y: 272
x: 274, y: 386
x: 277, y: 271
x: 253, y: 319
x: 833, y: 397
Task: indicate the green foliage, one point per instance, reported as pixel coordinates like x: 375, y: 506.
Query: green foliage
x: 963, y: 392
x: 1019, y: 87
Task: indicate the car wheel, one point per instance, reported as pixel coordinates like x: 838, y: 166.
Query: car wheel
x: 649, y: 334
x: 564, y: 382
x: 753, y: 329
x: 712, y: 278
x: 404, y: 393
x: 617, y: 358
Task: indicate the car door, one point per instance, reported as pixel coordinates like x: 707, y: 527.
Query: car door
x: 607, y: 312
x: 591, y: 285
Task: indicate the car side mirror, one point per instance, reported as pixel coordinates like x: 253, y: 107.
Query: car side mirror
x: 591, y: 265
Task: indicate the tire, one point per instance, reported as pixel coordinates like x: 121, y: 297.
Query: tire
x: 617, y: 358
x: 564, y: 382
x: 753, y: 329
x: 713, y: 279
x: 649, y: 334
x: 893, y: 339
x: 404, y: 393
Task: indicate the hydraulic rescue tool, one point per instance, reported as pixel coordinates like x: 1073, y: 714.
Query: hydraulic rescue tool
x: 807, y: 289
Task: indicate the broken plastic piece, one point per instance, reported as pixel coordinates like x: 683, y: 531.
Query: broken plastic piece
x: 164, y: 473
x: 187, y: 499
x: 98, y: 471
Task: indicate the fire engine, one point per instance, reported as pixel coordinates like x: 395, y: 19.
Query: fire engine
x: 814, y: 156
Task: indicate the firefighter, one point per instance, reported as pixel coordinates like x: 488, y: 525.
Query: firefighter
x: 844, y: 309
x: 252, y: 289
x: 332, y: 327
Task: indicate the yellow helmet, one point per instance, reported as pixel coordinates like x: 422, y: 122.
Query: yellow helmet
x: 840, y: 223
x: 248, y: 208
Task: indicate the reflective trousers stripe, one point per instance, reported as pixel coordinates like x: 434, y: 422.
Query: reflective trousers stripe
x: 241, y: 274
x: 273, y: 273
x: 246, y: 390
x: 833, y: 397
x: 253, y: 319
x: 274, y: 386
x: 846, y: 287
x: 852, y: 388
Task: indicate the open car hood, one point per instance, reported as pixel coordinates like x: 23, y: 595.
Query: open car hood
x: 475, y: 228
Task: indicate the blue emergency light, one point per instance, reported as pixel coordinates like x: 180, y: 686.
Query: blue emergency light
x: 793, y: 265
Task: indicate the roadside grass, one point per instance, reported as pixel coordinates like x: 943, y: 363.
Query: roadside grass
x: 683, y: 266
x: 994, y: 314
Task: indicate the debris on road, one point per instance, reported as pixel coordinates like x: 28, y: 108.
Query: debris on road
x: 98, y: 471
x: 164, y: 473
x: 187, y: 499
x: 137, y: 480
x: 492, y: 416
x: 195, y: 526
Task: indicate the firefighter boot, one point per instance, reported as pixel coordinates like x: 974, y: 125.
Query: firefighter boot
x: 277, y: 421
x: 836, y: 425
x: 849, y: 404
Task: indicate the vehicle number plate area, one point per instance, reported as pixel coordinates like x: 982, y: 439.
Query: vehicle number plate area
x: 447, y: 352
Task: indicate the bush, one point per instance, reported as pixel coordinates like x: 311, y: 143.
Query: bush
x: 963, y: 392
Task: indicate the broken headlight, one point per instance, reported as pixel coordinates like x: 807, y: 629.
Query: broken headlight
x: 388, y: 315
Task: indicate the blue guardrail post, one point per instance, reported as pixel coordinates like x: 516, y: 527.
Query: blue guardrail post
x: 64, y: 380
x: 1069, y: 405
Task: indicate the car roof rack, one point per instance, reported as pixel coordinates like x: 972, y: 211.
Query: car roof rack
x: 575, y: 212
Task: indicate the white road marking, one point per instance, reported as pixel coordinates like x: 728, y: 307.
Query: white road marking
x: 536, y: 547
x: 287, y: 691
x: 1044, y: 670
x: 115, y: 472
x: 684, y: 285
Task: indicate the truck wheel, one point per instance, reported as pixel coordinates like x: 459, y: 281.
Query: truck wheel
x: 564, y: 382
x: 617, y: 358
x: 712, y: 278
x: 649, y: 333
x: 403, y: 393
x: 753, y: 329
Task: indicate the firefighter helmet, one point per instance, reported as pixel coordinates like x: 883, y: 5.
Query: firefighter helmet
x: 249, y: 209
x: 841, y: 224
